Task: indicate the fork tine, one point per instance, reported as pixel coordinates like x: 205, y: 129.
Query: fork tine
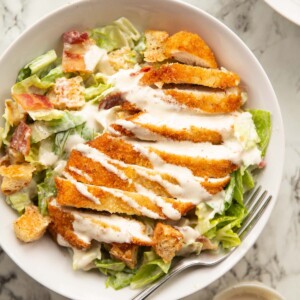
x: 254, y: 215
x: 252, y: 197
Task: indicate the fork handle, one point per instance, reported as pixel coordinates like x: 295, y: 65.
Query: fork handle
x: 148, y: 291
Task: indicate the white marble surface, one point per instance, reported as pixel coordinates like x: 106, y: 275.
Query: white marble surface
x: 275, y: 258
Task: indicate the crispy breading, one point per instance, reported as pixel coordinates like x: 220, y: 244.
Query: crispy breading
x: 213, y: 102
x: 125, y: 252
x: 167, y: 241
x: 119, y: 149
x: 31, y: 226
x: 189, y: 48
x: 155, y: 41
x: 15, y: 177
x: 68, y: 93
x: 141, y: 131
x: 93, y: 169
x: 112, y: 200
x: 184, y: 74
x: 63, y: 224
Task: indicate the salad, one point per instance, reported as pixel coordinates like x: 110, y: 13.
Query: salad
x: 132, y: 149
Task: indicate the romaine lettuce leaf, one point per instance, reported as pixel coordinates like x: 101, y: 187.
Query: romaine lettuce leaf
x: 94, y: 92
x: 84, y: 259
x: 19, y: 201
x: 262, y: 121
x: 46, y: 190
x: 30, y: 85
x: 120, y: 33
x: 55, y: 73
x: 43, y: 129
x: 37, y: 65
x: 46, y: 115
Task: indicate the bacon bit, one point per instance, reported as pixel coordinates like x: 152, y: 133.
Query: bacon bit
x: 142, y: 70
x: 20, y: 140
x: 72, y: 55
x: 75, y: 37
x: 262, y: 164
x: 31, y: 102
x: 111, y: 100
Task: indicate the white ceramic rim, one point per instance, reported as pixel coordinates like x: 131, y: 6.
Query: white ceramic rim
x: 248, y: 242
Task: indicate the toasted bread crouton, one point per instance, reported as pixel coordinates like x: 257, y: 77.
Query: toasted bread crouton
x: 125, y: 252
x: 15, y: 177
x: 155, y: 41
x: 68, y: 93
x: 184, y: 74
x: 123, y: 58
x: 189, y: 48
x: 31, y: 226
x: 167, y: 241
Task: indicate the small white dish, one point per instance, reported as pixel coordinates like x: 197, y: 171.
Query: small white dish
x: 251, y: 290
x: 290, y: 9
x: 44, y: 260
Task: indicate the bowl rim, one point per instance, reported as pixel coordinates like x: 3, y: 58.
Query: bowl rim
x: 281, y: 150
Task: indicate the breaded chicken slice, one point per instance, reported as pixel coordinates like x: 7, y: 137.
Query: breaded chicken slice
x: 101, y: 198
x: 167, y: 241
x: 189, y: 48
x: 184, y: 74
x: 31, y: 226
x: 128, y: 253
x: 155, y: 41
x: 87, y: 170
x: 209, y: 101
x: 80, y: 228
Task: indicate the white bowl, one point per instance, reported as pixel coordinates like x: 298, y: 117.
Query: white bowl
x: 249, y: 290
x: 51, y: 265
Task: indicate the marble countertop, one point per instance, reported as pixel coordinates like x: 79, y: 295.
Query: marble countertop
x: 274, y: 259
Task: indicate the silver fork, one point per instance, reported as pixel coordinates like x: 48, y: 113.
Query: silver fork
x: 256, y: 205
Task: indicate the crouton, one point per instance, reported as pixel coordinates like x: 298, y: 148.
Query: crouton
x: 15, y: 177
x: 155, y: 45
x: 167, y: 241
x: 14, y: 114
x: 126, y: 253
x: 68, y: 93
x: 31, y: 226
x: 123, y: 58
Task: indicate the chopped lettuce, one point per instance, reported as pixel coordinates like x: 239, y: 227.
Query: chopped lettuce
x: 46, y: 115
x: 262, y: 121
x: 55, y: 73
x: 46, y: 190
x: 30, y: 85
x: 119, y: 280
x: 107, y: 266
x: 84, y: 259
x: 19, y: 201
x: 152, y: 269
x: 120, y: 33
x: 43, y: 129
x: 238, y: 193
x: 37, y: 65
x: 95, y: 91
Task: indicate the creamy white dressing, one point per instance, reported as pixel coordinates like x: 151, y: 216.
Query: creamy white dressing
x: 81, y: 188
x: 190, y: 234
x: 108, y: 229
x: 93, y: 56
x: 81, y: 173
x: 90, y: 114
x: 72, y: 141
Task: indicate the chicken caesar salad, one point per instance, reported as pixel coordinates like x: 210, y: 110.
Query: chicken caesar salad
x: 132, y: 149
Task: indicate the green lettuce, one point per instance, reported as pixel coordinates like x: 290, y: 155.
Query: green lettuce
x: 38, y: 65
x: 46, y: 190
x: 120, y: 33
x: 151, y: 270
x: 55, y: 73
x: 95, y: 92
x: 19, y: 201
x: 32, y: 84
x: 262, y: 121
x: 43, y: 129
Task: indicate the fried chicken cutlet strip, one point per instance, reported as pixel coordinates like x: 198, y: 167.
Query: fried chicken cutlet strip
x: 208, y: 101
x: 150, y: 132
x: 155, y: 41
x: 80, y: 228
x: 121, y: 150
x: 189, y: 48
x: 101, y: 198
x: 184, y: 74
x: 123, y: 176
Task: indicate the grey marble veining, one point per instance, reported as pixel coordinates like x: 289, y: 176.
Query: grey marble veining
x: 275, y: 258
